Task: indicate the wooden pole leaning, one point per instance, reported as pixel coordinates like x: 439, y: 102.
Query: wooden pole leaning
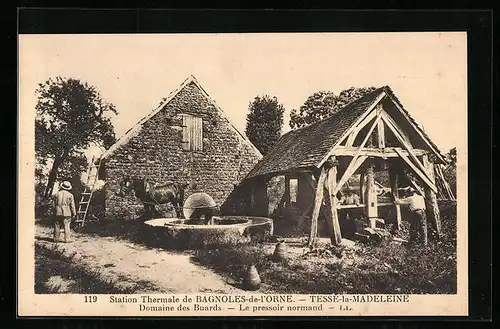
x: 431, y: 205
x: 357, y: 160
x: 331, y: 205
x: 287, y: 191
x: 318, y: 200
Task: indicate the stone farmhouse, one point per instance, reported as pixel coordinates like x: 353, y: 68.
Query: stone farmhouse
x: 188, y: 138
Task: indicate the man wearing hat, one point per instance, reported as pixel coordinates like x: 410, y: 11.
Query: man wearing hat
x: 64, y: 210
x: 418, y: 222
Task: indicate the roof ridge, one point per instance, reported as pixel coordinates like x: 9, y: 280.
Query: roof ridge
x: 294, y: 151
x: 339, y: 110
x: 138, y: 125
x: 361, y: 103
x: 225, y: 116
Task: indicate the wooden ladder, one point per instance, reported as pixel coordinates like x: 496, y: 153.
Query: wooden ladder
x: 83, y: 205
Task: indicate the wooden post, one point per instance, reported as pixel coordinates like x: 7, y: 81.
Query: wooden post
x: 331, y: 205
x: 422, y: 175
x: 440, y: 177
x: 356, y: 159
x: 246, y: 194
x: 431, y: 205
x: 282, y: 201
x: 381, y: 134
x: 305, y: 192
x: 393, y: 178
x: 419, y: 168
x: 371, y: 197
x: 309, y: 201
x: 318, y: 200
x: 258, y: 199
x: 362, y: 187
x: 287, y: 191
x: 252, y: 199
x: 263, y: 204
x: 350, y: 170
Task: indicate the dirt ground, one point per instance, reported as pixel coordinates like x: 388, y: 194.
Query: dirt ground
x: 131, y: 267
x: 112, y: 260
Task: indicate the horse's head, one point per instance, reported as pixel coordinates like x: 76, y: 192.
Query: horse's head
x: 125, y: 186
x: 180, y: 189
x: 183, y: 186
x: 140, y: 186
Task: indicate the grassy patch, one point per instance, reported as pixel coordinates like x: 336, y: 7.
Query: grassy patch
x: 76, y: 279
x: 388, y: 268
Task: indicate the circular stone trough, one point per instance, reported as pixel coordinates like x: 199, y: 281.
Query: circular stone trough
x: 225, y: 230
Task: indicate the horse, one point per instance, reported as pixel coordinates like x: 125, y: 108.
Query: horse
x: 153, y: 195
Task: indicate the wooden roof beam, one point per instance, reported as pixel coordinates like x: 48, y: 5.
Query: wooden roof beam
x: 442, y: 179
x: 352, y: 136
x: 353, y: 127
x: 353, y: 166
x: 416, y: 186
x: 392, y: 126
x: 417, y: 129
x: 419, y: 173
x: 388, y: 152
x: 356, y: 160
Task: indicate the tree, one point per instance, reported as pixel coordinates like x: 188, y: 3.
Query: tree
x: 264, y: 122
x: 450, y: 171
x: 350, y: 95
x: 70, y: 116
x: 322, y: 104
x: 316, y: 107
x: 451, y: 157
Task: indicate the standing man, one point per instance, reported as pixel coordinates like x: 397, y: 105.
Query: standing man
x: 64, y: 210
x: 418, y: 221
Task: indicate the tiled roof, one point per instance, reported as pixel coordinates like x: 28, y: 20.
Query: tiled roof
x: 138, y: 126
x: 306, y: 147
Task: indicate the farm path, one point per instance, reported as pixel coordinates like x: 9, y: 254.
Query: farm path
x: 132, y: 267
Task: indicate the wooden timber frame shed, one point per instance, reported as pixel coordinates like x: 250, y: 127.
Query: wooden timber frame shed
x: 371, y: 134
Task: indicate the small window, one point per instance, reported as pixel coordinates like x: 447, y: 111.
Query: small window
x: 192, y: 133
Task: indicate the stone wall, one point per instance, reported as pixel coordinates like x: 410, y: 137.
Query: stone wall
x: 157, y: 152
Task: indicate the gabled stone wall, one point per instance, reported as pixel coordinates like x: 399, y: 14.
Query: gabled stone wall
x: 157, y: 152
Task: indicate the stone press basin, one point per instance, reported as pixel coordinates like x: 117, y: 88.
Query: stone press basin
x: 224, y: 230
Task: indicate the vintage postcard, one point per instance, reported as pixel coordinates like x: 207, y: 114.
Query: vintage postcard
x: 266, y: 174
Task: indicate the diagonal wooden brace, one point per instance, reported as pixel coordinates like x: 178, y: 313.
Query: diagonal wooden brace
x: 392, y: 126
x: 355, y: 162
x: 417, y: 171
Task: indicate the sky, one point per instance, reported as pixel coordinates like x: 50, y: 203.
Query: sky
x: 426, y: 71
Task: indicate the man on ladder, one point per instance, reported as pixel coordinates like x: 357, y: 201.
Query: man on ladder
x: 84, y: 204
